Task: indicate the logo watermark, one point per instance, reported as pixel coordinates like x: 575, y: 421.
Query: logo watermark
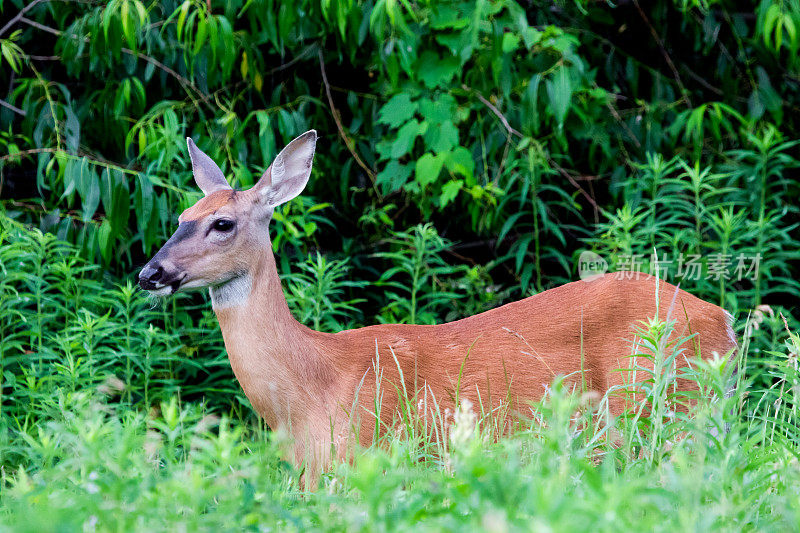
x: 591, y: 266
x: 689, y: 267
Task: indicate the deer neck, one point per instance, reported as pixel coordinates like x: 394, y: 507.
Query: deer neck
x: 278, y: 361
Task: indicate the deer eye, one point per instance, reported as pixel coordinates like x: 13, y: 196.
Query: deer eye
x: 223, y: 225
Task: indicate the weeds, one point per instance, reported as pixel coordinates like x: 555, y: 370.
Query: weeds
x: 117, y: 415
x: 417, y: 297
x: 315, y: 293
x: 100, y: 465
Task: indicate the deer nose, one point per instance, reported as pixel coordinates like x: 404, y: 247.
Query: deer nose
x: 149, y: 276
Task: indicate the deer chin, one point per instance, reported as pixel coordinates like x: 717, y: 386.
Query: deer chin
x: 197, y: 283
x: 166, y: 290
x: 184, y: 284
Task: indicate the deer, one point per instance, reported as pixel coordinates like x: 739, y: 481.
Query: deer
x: 323, y: 388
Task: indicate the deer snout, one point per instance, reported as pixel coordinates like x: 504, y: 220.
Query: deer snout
x: 154, y: 277
x: 150, y: 276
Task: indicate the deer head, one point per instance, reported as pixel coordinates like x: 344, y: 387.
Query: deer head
x: 218, y: 237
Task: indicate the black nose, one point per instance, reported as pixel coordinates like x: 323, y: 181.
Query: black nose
x: 149, y: 276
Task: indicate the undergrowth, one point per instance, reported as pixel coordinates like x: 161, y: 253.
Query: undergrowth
x: 110, y: 422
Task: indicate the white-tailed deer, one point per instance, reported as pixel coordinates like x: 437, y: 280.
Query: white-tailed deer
x: 322, y: 387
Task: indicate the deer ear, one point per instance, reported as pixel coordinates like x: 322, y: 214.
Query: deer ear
x: 207, y: 174
x: 287, y: 176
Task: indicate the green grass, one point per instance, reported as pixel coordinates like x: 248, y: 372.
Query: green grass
x: 112, y: 421
x: 95, y: 464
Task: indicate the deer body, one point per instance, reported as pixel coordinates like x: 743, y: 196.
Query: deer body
x: 323, y: 388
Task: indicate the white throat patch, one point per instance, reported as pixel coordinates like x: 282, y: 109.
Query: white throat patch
x: 232, y: 293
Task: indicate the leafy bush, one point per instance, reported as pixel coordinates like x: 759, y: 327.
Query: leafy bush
x: 101, y: 466
x: 63, y: 329
x: 511, y: 129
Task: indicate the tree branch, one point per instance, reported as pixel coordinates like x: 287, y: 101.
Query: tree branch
x: 550, y: 160
x: 621, y: 122
x: 13, y: 108
x: 185, y: 82
x: 493, y: 109
x: 299, y: 57
x: 348, y: 142
x: 663, y: 52
x: 18, y: 16
x: 77, y: 156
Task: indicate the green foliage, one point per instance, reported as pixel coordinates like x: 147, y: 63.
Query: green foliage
x: 105, y: 468
x: 741, y: 209
x: 470, y: 151
x: 416, y: 295
x: 496, y: 123
x: 315, y: 293
x: 101, y: 466
x: 62, y: 329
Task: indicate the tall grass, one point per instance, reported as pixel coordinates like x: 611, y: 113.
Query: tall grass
x: 64, y: 328
x: 110, y: 421
x: 99, y: 466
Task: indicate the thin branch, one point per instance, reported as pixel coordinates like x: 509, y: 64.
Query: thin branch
x: 162, y: 66
x: 740, y: 44
x: 703, y: 82
x: 664, y: 53
x: 48, y: 29
x: 71, y: 214
x: 182, y: 80
x: 460, y: 257
x: 30, y: 152
x: 347, y: 141
x: 13, y: 108
x: 621, y: 122
x: 77, y: 156
x: 493, y: 109
x: 299, y: 57
x: 510, y: 130
x: 12, y: 77
x: 561, y: 170
x: 19, y: 16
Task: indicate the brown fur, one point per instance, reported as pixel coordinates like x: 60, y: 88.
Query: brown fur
x: 323, y: 388
x: 207, y: 205
x: 306, y: 381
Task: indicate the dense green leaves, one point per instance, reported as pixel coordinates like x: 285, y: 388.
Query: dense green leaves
x: 397, y: 110
x: 497, y: 119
